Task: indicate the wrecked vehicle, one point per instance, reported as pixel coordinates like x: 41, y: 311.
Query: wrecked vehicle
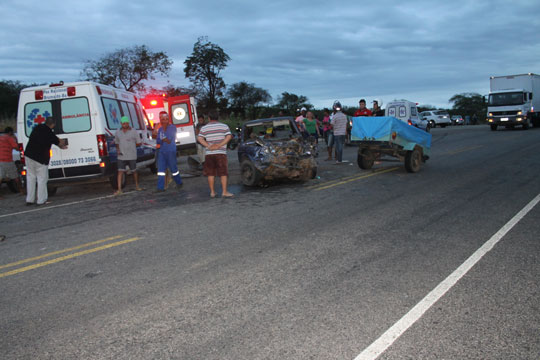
x: 272, y: 149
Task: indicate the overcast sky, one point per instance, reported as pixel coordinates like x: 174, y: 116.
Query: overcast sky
x: 423, y: 51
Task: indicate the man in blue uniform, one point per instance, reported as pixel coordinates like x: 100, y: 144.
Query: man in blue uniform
x: 166, y: 139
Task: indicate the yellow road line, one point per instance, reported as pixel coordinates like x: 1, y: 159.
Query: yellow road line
x: 356, y: 178
x: 60, y: 252
x: 331, y: 181
x: 463, y: 150
x: 70, y: 256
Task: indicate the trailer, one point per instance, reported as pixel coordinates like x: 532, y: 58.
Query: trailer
x: 382, y: 137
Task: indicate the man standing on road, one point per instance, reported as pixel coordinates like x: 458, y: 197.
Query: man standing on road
x: 339, y: 124
x: 166, y: 139
x: 8, y: 170
x: 214, y: 136
x: 126, y: 140
x: 37, y: 155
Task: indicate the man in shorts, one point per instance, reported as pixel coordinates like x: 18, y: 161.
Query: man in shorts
x: 126, y: 140
x: 214, y: 136
x: 8, y: 170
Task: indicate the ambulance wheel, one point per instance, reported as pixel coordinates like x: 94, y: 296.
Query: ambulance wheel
x: 113, y: 180
x: 12, y: 185
x: 250, y: 175
x: 51, y: 190
x: 413, y: 159
x: 365, y: 159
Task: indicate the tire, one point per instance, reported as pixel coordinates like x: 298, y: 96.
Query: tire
x: 365, y: 159
x: 413, y: 160
x: 113, y: 180
x: 153, y: 168
x: 250, y: 175
x: 12, y: 185
x: 51, y: 190
x: 526, y: 125
x: 443, y: 125
x: 493, y: 127
x: 432, y: 124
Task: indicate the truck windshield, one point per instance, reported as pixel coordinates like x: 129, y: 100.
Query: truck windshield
x: 502, y: 99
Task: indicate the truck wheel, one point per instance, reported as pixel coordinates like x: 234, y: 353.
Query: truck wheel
x: 526, y: 124
x: 113, y: 180
x: 493, y: 127
x: 250, y: 175
x: 413, y: 159
x: 365, y: 159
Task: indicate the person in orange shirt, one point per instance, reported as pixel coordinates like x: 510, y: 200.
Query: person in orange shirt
x: 8, y: 170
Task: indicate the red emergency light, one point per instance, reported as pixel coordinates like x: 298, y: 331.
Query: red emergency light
x: 38, y: 94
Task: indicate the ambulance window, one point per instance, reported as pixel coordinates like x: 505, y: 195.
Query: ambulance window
x: 180, y: 114
x: 112, y: 112
x: 133, y: 115
x: 392, y: 111
x: 35, y: 114
x: 75, y: 115
x: 402, y: 111
x: 413, y: 111
x: 125, y: 111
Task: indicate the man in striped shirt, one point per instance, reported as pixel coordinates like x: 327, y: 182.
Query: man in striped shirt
x: 214, y: 136
x: 339, y: 123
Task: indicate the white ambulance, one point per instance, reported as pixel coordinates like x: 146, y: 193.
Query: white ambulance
x: 87, y: 115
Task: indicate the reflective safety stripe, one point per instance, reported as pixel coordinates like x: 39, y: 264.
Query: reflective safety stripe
x: 160, y: 174
x: 176, y: 173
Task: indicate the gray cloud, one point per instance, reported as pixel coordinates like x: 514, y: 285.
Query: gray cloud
x: 425, y: 51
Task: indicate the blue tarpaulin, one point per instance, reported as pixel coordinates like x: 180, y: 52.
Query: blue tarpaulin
x: 380, y: 128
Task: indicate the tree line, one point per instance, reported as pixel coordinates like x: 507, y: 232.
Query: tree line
x: 129, y: 69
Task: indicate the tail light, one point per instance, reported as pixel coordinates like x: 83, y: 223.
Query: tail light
x: 409, y: 122
x: 98, y: 89
x: 102, y: 145
x: 21, y: 149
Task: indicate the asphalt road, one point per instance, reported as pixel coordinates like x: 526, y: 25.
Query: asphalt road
x: 319, y: 270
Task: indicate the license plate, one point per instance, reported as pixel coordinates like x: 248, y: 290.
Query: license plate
x: 504, y: 119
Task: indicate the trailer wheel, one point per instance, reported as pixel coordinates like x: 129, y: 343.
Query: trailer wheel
x: 250, y: 175
x: 493, y: 127
x: 413, y: 159
x: 365, y: 159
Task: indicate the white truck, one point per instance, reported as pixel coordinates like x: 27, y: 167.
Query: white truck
x: 514, y: 100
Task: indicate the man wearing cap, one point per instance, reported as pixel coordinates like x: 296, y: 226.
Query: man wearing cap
x: 166, y: 139
x: 363, y: 110
x: 126, y: 140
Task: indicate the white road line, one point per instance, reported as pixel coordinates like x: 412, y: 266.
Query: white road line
x: 393, y: 333
x: 45, y: 207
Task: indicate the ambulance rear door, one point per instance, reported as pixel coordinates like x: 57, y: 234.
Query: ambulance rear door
x: 182, y: 113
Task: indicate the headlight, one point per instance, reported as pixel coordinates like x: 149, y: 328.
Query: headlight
x: 490, y: 114
x: 519, y: 113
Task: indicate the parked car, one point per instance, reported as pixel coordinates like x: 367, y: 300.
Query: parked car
x: 272, y: 149
x: 458, y: 120
x: 406, y: 111
x: 436, y: 117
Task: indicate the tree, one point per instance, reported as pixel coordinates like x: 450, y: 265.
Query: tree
x: 469, y: 104
x: 9, y: 97
x: 127, y: 68
x: 171, y: 90
x: 203, y: 69
x: 292, y: 102
x: 243, y: 96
